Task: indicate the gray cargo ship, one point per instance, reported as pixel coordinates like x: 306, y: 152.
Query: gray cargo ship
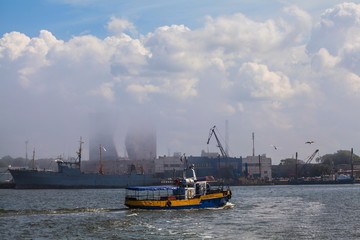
x: 69, y: 175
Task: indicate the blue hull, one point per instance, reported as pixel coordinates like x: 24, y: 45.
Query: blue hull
x: 205, y: 203
x: 30, y: 179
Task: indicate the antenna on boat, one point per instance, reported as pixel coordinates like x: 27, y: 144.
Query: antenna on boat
x: 192, y: 167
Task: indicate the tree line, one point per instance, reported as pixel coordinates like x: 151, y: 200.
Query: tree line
x: 325, y: 165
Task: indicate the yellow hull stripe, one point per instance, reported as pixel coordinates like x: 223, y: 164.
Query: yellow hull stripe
x: 163, y: 203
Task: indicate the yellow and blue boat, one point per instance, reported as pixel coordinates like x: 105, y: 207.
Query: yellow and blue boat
x: 186, y: 193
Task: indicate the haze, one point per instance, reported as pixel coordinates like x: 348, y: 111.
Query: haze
x: 286, y: 70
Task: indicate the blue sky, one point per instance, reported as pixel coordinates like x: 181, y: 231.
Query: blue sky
x: 71, y: 18
x: 286, y: 70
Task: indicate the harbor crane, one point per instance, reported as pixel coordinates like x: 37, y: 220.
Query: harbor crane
x: 311, y: 157
x: 211, y: 133
x: 309, y: 160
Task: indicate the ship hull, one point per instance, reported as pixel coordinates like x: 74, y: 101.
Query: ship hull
x: 32, y: 179
x: 313, y: 182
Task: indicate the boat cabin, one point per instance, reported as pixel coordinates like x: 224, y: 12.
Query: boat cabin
x: 168, y: 192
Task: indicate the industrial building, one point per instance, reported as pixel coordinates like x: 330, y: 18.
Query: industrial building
x: 219, y: 167
x: 208, y: 164
x: 257, y: 166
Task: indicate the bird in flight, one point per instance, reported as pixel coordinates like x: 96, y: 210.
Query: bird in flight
x: 309, y: 142
x: 274, y: 147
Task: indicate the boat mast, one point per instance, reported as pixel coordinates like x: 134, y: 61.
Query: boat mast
x: 101, y: 169
x: 352, y: 163
x: 296, y: 166
x: 79, y: 152
x: 33, y: 160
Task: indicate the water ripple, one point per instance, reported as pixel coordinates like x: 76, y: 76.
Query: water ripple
x: 10, y: 212
x: 267, y: 212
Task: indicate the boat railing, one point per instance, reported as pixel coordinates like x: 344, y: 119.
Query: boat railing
x: 174, y: 194
x: 153, y: 197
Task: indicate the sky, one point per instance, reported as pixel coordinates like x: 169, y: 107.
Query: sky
x: 284, y: 70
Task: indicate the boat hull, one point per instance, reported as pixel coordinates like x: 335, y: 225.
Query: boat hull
x: 206, y: 201
x: 34, y: 179
x: 313, y: 182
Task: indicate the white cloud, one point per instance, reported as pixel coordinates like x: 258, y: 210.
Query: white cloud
x: 13, y: 44
x: 172, y: 49
x: 262, y: 83
x: 323, y: 60
x: 141, y: 92
x: 299, y: 28
x: 183, y: 87
x: 335, y: 47
x: 353, y: 83
x: 335, y: 28
x: 230, y: 110
x: 240, y: 107
x: 239, y: 36
x: 273, y: 76
x: 105, y: 90
x: 119, y: 26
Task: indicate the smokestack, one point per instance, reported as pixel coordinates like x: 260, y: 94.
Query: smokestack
x: 140, y: 141
x: 102, y: 128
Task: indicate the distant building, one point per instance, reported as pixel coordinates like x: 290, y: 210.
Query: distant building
x: 210, y: 154
x: 218, y: 167
x: 255, y: 166
x: 169, y: 166
x: 291, y: 161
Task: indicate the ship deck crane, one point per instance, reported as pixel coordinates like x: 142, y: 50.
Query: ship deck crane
x: 211, y: 133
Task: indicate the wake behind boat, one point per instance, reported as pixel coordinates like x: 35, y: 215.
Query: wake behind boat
x: 186, y: 193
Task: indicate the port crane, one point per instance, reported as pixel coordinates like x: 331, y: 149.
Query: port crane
x: 211, y: 133
x: 309, y: 160
x: 311, y: 157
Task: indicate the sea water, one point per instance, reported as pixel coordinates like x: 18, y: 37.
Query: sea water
x: 254, y: 212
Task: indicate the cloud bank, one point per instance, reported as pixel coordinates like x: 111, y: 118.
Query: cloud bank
x: 289, y: 80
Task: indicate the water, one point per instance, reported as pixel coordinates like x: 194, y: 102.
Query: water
x: 259, y: 212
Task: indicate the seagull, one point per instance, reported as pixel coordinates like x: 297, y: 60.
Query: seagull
x: 274, y: 147
x: 309, y: 142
